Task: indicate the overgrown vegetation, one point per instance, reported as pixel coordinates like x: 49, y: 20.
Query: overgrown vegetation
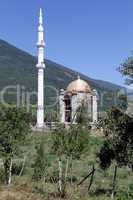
x: 68, y: 144
x: 118, y: 145
x: 14, y: 129
x: 64, y: 163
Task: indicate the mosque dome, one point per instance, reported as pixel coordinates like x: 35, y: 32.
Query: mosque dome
x: 79, y: 85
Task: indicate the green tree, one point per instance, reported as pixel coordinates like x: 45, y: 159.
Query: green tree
x: 119, y: 143
x: 126, y: 69
x: 14, y: 128
x: 40, y: 164
x: 68, y: 144
x: 82, y: 115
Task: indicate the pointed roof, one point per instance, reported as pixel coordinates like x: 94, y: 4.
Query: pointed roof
x: 40, y: 17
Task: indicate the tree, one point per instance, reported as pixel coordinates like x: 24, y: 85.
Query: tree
x: 106, y: 155
x: 68, y: 144
x: 40, y: 163
x: 126, y: 69
x: 119, y: 143
x: 122, y: 101
x: 82, y: 115
x: 14, y: 128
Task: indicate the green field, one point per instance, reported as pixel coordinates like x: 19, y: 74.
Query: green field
x: 24, y: 188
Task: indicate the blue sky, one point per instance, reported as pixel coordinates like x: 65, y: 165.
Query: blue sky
x: 90, y: 36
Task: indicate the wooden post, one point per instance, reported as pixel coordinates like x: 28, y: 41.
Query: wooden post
x: 92, y: 177
x: 60, y: 175
x: 114, y: 182
x: 10, y: 173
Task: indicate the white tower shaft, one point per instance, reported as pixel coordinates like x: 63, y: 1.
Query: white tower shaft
x: 40, y: 66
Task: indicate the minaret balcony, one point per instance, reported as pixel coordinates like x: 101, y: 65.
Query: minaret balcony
x: 40, y: 65
x: 40, y: 44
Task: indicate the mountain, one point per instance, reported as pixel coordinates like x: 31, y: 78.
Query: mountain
x: 17, y: 67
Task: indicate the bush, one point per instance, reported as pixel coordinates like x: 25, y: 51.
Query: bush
x: 126, y: 195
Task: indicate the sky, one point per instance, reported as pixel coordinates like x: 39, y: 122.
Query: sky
x: 90, y: 36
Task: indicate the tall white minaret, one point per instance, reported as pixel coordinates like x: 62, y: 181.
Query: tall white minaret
x: 40, y: 66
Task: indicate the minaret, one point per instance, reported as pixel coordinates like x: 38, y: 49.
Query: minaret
x: 40, y: 66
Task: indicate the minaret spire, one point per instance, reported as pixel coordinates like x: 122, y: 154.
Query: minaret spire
x: 41, y: 17
x: 40, y: 66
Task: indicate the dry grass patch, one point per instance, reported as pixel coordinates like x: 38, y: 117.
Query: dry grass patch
x: 22, y: 192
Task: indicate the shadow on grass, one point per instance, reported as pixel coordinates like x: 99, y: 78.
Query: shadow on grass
x: 100, y: 191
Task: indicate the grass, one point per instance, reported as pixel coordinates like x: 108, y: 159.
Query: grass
x: 24, y: 188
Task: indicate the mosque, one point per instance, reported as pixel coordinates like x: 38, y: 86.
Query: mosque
x: 77, y: 92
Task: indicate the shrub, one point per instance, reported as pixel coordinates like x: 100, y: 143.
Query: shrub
x: 125, y: 195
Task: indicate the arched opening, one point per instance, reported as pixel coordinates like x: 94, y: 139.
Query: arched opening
x: 68, y: 108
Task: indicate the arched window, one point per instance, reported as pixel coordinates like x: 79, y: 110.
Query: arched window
x: 68, y: 109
